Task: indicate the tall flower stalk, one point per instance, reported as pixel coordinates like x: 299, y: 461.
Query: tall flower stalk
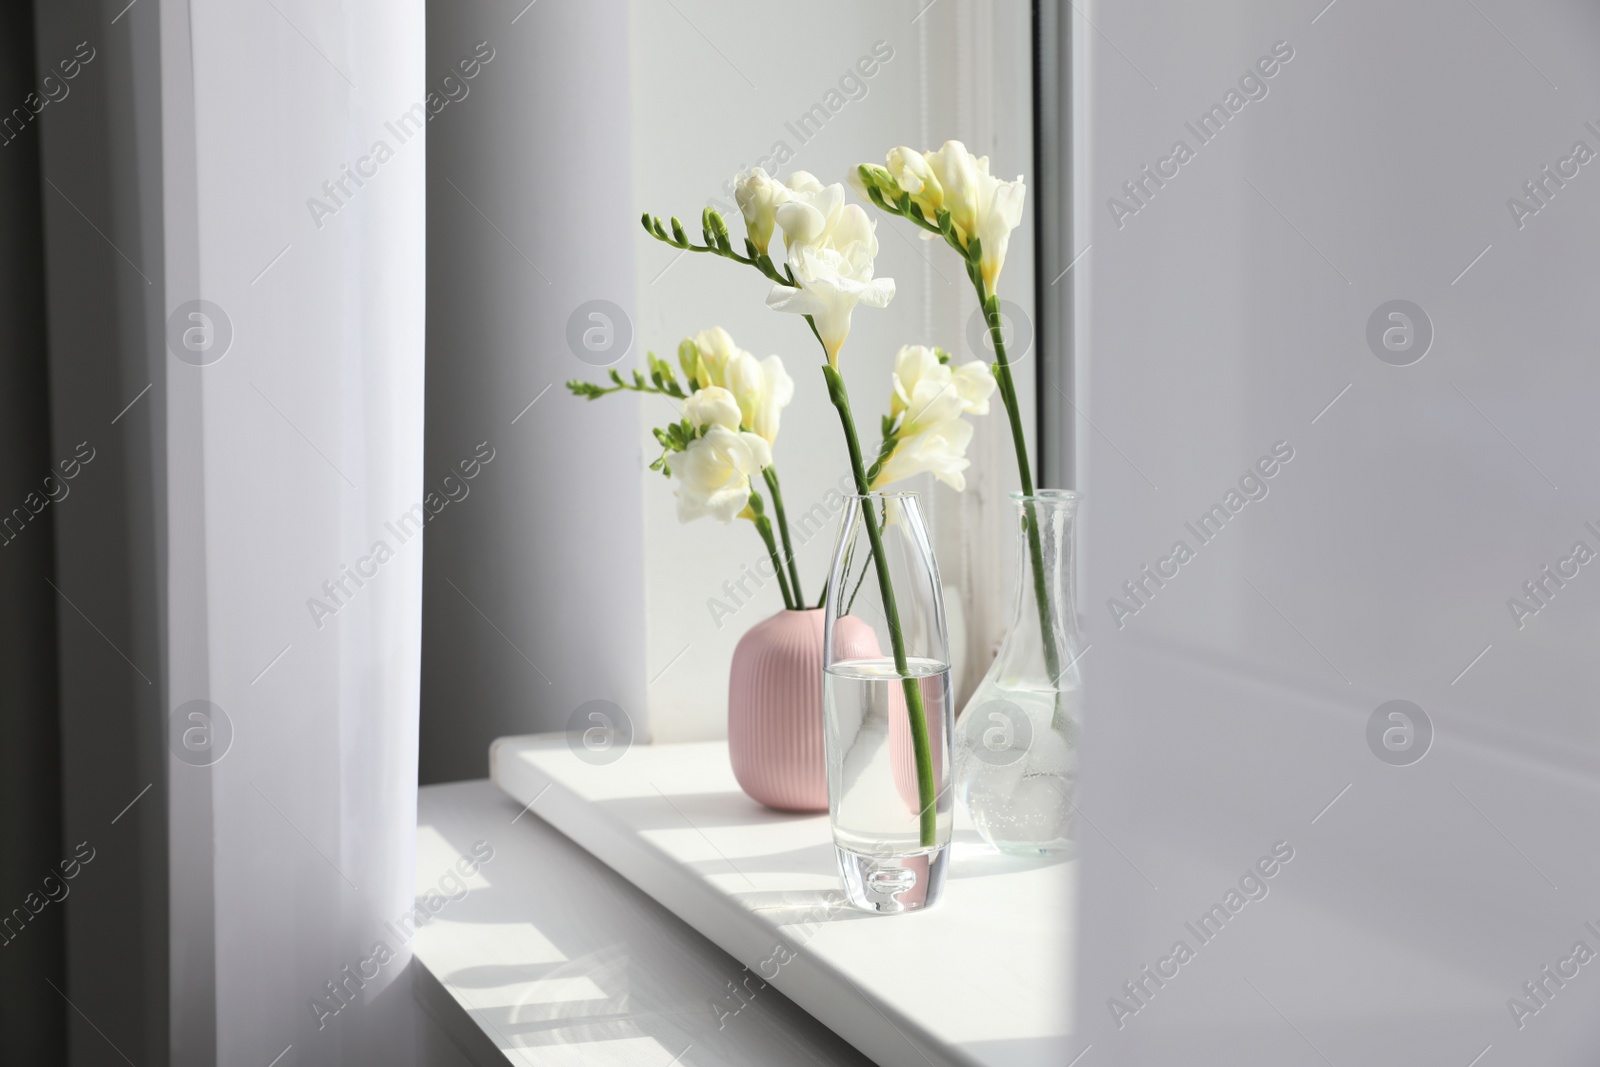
x: 916, y: 713
x: 952, y: 194
x: 827, y: 271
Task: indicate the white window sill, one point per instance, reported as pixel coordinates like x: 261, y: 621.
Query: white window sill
x: 551, y: 959
x: 981, y: 979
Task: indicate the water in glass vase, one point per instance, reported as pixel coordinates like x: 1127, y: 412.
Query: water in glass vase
x: 890, y: 860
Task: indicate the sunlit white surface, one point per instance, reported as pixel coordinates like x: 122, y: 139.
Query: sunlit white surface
x: 983, y: 978
x: 549, y: 958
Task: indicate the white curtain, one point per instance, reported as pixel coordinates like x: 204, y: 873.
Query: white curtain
x: 293, y: 189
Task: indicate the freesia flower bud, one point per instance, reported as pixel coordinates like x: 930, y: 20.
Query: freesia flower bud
x: 909, y: 172
x: 763, y: 389
x: 716, y: 348
x: 689, y: 360
x: 758, y: 196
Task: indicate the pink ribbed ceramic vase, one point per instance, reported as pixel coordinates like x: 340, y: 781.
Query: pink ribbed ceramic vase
x: 775, y: 712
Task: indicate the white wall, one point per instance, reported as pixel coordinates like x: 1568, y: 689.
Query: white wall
x: 533, y: 579
x: 1224, y: 317
x: 715, y: 90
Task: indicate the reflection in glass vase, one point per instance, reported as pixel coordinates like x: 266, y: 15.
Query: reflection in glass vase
x: 1017, y: 738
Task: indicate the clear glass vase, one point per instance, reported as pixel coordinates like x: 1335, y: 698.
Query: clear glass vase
x: 1017, y: 738
x: 887, y: 712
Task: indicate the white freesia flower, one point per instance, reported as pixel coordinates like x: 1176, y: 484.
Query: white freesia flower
x: 802, y: 184
x: 975, y: 382
x: 930, y: 398
x: 757, y: 195
x: 998, y: 215
x: 957, y: 172
x: 714, y: 472
x: 980, y: 204
x: 712, y: 406
x: 940, y: 450
x: 923, y: 393
x: 927, y: 391
x: 832, y: 246
x: 808, y: 213
x: 763, y: 389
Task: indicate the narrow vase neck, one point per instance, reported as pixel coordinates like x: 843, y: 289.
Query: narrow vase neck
x: 1053, y: 512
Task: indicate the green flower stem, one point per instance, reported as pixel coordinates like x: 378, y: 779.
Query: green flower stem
x: 715, y: 236
x: 1041, y: 594
x: 922, y: 751
x: 764, y: 528
x: 771, y: 475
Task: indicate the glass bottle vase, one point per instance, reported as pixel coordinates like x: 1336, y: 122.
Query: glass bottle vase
x: 1017, y: 738
x: 887, y: 712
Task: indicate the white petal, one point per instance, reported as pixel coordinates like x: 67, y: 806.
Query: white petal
x: 712, y: 406
x: 975, y: 383
x: 798, y: 301
x: 877, y: 293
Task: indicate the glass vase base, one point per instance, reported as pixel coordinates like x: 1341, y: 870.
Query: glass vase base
x: 893, y: 884
x: 1021, y: 814
x: 1017, y: 780
x: 1051, y: 850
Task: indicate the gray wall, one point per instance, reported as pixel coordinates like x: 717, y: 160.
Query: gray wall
x: 533, y: 584
x: 101, y: 151
x: 32, y: 1017
x: 1230, y: 313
